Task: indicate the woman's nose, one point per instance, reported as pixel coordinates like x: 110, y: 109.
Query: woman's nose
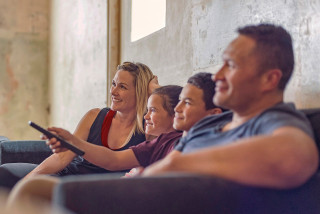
x: 113, y: 90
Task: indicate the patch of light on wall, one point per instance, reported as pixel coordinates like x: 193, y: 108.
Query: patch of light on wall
x: 147, y: 17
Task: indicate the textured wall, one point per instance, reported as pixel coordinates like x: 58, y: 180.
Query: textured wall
x: 198, y: 31
x: 23, y: 66
x: 168, y: 51
x: 78, y: 59
x: 214, y: 24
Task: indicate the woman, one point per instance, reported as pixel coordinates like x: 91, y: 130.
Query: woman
x: 159, y: 122
x: 129, y: 93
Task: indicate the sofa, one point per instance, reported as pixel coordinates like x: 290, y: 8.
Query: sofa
x: 185, y: 193
x: 24, y: 151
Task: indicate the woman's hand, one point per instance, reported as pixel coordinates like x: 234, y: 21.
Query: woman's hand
x: 54, y: 144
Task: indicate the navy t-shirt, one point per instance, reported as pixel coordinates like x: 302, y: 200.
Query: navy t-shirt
x: 81, y: 166
x: 207, y: 132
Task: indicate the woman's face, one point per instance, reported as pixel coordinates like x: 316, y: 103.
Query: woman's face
x: 123, y: 92
x: 158, y: 120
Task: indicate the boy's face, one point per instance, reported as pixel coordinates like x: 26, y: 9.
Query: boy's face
x: 190, y: 109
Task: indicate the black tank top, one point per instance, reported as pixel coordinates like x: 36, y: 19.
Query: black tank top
x: 81, y: 166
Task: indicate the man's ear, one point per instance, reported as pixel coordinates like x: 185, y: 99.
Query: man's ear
x: 271, y: 79
x: 215, y: 111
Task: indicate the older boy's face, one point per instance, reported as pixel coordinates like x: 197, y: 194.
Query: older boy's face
x: 190, y: 109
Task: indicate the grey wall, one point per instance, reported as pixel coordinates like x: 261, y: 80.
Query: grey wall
x: 197, y: 32
x: 24, y: 27
x: 78, y: 59
x: 168, y: 52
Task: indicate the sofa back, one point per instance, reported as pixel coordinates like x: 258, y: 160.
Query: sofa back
x: 314, y: 117
x: 3, y: 138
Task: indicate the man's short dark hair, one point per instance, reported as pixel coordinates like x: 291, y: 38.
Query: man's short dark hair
x: 273, y: 48
x: 204, y: 82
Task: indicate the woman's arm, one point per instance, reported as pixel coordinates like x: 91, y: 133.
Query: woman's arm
x: 98, y: 155
x: 57, y: 162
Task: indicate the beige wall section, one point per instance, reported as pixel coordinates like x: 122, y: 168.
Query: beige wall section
x: 24, y: 27
x: 197, y: 32
x: 78, y: 60
x: 113, y: 38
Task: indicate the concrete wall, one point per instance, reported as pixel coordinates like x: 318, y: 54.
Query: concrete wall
x: 168, y: 52
x: 24, y: 27
x: 78, y: 59
x: 197, y: 32
x: 52, y: 63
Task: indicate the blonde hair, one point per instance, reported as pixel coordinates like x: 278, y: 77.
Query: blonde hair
x: 142, y: 76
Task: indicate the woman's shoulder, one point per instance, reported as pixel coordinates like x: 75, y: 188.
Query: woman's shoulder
x: 95, y: 111
x: 92, y: 114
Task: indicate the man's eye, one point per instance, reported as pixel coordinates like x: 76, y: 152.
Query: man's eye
x: 231, y: 65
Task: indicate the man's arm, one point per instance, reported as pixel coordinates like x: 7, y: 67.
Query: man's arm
x: 285, y: 159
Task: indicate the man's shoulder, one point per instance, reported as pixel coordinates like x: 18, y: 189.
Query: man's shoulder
x: 213, y: 120
x: 285, y: 110
x: 280, y: 115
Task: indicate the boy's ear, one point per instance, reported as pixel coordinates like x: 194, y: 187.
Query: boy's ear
x: 215, y: 111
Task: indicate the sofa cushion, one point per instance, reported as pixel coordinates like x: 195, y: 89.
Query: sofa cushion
x: 3, y: 138
x: 314, y: 117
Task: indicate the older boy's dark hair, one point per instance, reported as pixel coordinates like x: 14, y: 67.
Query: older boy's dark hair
x: 203, y: 81
x: 273, y: 49
x: 170, y: 96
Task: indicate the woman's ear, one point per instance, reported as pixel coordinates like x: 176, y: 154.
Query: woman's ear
x: 215, y: 111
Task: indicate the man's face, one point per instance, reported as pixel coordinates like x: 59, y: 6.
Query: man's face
x: 238, y: 81
x: 190, y: 109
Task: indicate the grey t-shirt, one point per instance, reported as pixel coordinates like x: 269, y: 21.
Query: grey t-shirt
x: 207, y: 132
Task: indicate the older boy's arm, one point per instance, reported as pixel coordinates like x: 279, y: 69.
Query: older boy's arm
x: 285, y: 159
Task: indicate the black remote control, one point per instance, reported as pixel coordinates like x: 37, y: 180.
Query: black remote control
x: 62, y: 141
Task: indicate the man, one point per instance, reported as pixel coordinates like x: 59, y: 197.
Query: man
x: 263, y: 142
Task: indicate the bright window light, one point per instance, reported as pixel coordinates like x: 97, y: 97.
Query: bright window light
x: 147, y: 17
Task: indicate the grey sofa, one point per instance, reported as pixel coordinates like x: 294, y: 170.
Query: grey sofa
x: 24, y: 151
x: 186, y: 193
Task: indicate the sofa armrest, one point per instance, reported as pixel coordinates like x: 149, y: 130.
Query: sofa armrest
x: 3, y: 138
x: 178, y: 193
x: 23, y: 151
